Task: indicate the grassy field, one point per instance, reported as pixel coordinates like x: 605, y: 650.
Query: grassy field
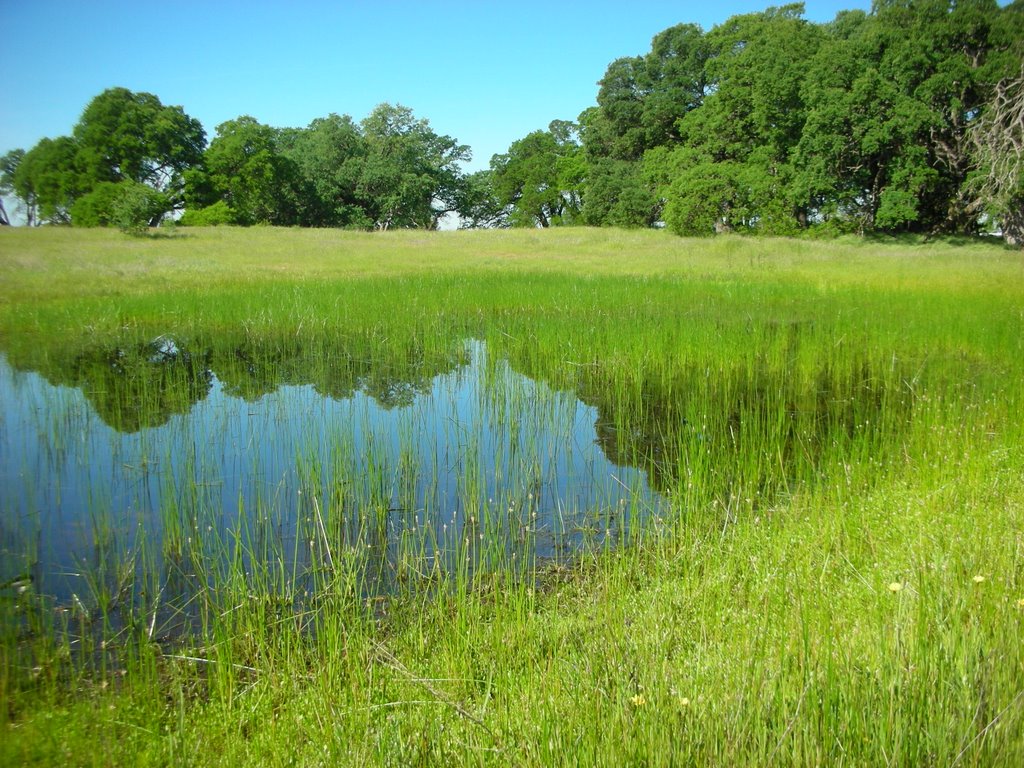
x: 836, y: 424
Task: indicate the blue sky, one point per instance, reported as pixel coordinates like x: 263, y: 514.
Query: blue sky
x: 486, y: 73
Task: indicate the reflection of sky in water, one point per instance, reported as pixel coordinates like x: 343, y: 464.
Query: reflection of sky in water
x: 487, y: 456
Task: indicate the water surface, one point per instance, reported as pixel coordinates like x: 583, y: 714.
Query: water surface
x: 156, y: 461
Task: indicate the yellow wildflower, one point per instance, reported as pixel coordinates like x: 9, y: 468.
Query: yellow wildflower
x: 895, y: 586
x: 978, y: 579
x: 638, y: 700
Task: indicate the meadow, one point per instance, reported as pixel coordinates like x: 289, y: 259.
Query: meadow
x: 835, y: 576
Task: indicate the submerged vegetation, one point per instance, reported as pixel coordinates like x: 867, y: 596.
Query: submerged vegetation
x: 834, y: 573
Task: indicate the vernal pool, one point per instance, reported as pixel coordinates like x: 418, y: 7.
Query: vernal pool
x: 183, y: 481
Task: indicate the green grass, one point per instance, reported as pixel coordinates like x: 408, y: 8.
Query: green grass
x: 837, y: 425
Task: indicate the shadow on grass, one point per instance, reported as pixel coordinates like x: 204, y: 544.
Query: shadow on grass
x: 913, y: 239
x: 923, y: 238
x: 157, y: 233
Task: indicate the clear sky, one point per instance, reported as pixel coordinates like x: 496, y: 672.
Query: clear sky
x: 486, y: 73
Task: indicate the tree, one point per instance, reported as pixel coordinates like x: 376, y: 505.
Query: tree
x: 941, y: 56
x: 998, y: 142
x: 755, y: 69
x: 121, y: 137
x: 480, y: 206
x: 675, y: 81
x: 642, y: 98
x: 127, y: 136
x: 891, y: 97
x: 841, y: 90
x: 753, y: 116
x: 539, y: 179
x: 732, y: 96
x: 389, y: 171
x: 619, y: 194
x: 411, y: 176
x: 46, y: 181
x: 244, y: 168
x: 616, y: 129
x: 8, y: 168
x: 703, y: 196
x: 768, y: 123
x: 329, y: 156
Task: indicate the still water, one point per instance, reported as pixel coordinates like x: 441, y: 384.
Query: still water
x: 477, y: 466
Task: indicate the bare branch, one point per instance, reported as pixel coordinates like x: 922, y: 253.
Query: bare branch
x: 998, y: 140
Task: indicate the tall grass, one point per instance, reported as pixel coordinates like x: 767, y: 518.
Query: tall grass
x: 838, y: 579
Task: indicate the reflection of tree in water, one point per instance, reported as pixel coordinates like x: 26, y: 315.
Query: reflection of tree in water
x: 134, y: 386
x: 245, y: 373
x: 335, y: 368
x: 390, y: 391
x: 752, y: 428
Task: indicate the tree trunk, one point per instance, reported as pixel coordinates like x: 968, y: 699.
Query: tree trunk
x: 1013, y: 227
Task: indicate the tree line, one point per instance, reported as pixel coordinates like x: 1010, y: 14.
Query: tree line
x: 909, y: 118
x: 131, y: 160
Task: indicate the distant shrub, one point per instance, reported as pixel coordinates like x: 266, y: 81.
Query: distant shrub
x: 138, y: 207
x: 833, y: 228
x: 96, y: 208
x: 127, y: 205
x: 211, y: 216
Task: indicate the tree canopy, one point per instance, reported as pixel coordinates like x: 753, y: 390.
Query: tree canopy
x: 389, y: 170
x: 537, y: 181
x: 121, y: 138
x: 126, y: 136
x: 875, y: 122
